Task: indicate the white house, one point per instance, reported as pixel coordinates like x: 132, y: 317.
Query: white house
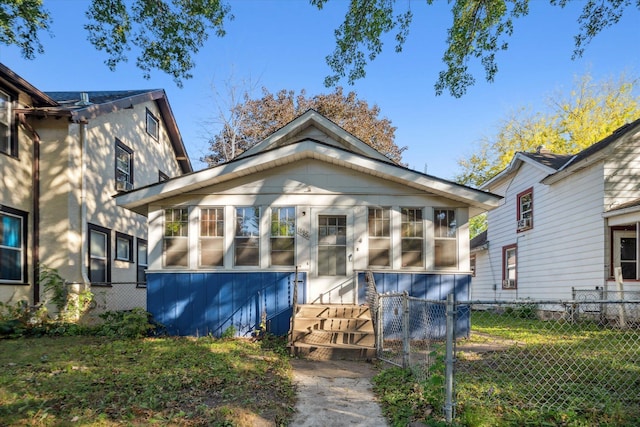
x: 63, y: 156
x: 566, y: 222
x: 310, y: 198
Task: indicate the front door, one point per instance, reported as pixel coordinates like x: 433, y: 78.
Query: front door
x: 332, y: 245
x: 332, y: 273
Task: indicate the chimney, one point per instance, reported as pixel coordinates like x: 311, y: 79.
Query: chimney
x: 84, y: 99
x: 542, y: 150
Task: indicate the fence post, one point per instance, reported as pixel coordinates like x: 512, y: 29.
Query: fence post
x: 448, y: 376
x: 406, y: 334
x: 378, y: 325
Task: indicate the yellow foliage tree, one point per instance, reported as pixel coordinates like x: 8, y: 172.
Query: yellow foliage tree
x: 573, y: 122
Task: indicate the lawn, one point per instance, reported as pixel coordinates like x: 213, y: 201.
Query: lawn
x: 515, y: 371
x: 100, y: 381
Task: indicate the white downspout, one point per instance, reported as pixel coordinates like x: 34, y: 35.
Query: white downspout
x: 83, y: 206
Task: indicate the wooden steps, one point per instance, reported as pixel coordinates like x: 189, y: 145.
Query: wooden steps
x: 332, y: 332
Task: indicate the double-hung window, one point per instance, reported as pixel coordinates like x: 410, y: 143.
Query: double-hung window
x: 247, y: 238
x: 175, y: 244
x: 525, y: 210
x: 124, y: 247
x: 379, y: 237
x: 211, y: 237
x: 8, y: 144
x: 283, y: 236
x: 509, y: 264
x: 99, y: 249
x: 412, y: 238
x: 12, y: 245
x: 152, y: 125
x: 124, y: 167
x: 446, y: 238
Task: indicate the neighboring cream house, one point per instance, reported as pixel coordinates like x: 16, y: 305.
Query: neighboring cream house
x: 63, y: 156
x: 310, y: 197
x: 566, y: 221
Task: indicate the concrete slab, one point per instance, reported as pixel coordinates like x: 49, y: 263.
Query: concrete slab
x: 335, y: 393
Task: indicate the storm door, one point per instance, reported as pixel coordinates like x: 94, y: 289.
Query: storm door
x: 332, y: 245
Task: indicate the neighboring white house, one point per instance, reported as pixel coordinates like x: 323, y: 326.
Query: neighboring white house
x: 310, y: 196
x: 566, y: 221
x: 63, y: 156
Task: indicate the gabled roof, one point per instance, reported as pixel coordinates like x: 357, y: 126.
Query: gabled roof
x: 559, y: 166
x: 97, y: 103
x: 291, y: 133
x: 547, y: 162
x: 595, y: 152
x: 40, y: 99
x: 271, y: 155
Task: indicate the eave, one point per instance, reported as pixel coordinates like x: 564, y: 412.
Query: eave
x: 138, y: 200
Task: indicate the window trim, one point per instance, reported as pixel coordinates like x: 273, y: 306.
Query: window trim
x: 220, y: 235
x: 130, y: 181
x: 23, y: 216
x: 107, y: 233
x: 291, y: 237
x: 165, y: 238
x: 613, y: 231
x: 525, y: 225
x: 422, y: 238
x: 387, y: 238
x: 149, y: 115
x: 129, y: 239
x: 236, y: 236
x: 141, y: 283
x: 454, y: 239
x: 13, y: 126
x: 506, y: 249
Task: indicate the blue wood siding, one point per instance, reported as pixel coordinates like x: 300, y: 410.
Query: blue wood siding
x: 198, y: 304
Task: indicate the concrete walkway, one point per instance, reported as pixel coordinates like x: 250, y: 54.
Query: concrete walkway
x: 335, y: 393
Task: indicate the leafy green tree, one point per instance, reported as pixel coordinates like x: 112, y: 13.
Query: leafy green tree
x: 572, y: 122
x: 479, y: 30
x: 20, y: 23
x: 168, y: 33
x: 254, y: 119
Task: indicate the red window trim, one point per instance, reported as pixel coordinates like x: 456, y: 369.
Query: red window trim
x: 504, y: 265
x: 518, y: 204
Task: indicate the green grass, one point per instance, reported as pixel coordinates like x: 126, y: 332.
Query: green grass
x: 515, y: 371
x: 98, y: 381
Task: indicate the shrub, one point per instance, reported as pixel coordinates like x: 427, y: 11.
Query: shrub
x: 134, y: 323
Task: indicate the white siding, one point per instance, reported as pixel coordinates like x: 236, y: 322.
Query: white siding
x: 564, y: 249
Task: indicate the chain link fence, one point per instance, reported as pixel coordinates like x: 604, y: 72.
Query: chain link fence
x: 114, y: 296
x: 580, y: 356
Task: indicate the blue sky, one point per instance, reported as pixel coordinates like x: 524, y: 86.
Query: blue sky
x: 282, y: 45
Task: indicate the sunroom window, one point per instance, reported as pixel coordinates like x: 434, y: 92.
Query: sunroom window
x: 247, y: 238
x: 283, y: 236
x: 446, y: 238
x: 176, y: 237
x: 211, y: 240
x: 379, y: 237
x: 412, y: 237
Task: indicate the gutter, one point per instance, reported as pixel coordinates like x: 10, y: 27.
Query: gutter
x: 83, y: 204
x: 35, y: 198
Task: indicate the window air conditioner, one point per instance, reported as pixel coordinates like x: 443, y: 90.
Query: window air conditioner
x: 508, y: 284
x: 123, y: 186
x: 524, y: 223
